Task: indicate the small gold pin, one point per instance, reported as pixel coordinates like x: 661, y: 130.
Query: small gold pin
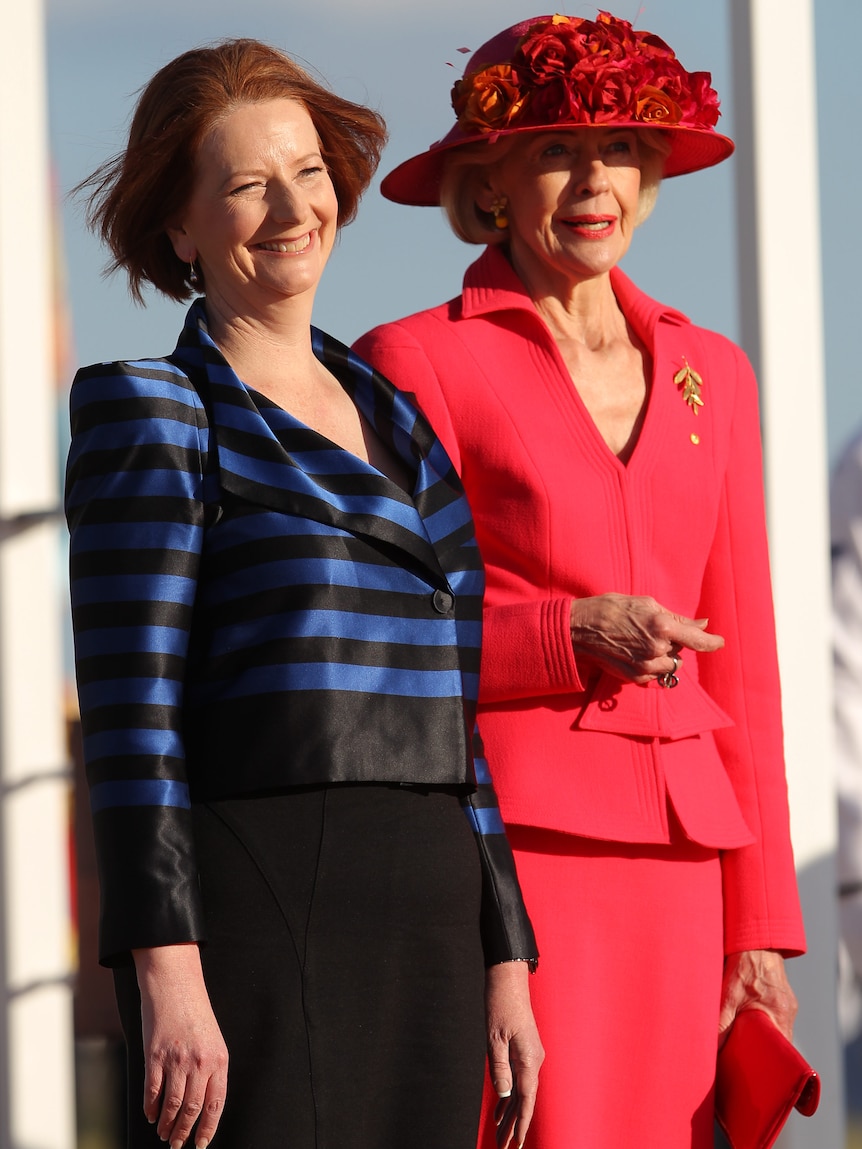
x: 695, y: 439
x: 691, y: 384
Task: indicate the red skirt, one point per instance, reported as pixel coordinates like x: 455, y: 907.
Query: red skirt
x: 627, y: 993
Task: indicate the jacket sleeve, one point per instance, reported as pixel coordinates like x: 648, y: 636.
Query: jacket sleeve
x: 133, y: 505
x: 507, y: 934
x: 761, y: 903
x: 526, y: 646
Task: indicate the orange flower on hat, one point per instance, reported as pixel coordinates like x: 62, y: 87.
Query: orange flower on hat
x: 656, y: 107
x: 490, y: 99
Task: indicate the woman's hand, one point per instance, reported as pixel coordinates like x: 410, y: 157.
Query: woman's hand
x: 184, y: 1051
x: 634, y: 638
x: 756, y: 979
x: 514, y: 1050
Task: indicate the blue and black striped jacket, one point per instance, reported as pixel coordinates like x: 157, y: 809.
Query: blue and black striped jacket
x: 256, y: 608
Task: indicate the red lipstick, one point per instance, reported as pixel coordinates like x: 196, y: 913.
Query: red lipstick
x: 592, y: 226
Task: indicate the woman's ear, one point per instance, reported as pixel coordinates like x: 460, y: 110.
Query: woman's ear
x: 181, y: 242
x: 487, y: 196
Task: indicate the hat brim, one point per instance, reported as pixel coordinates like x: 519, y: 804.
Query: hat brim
x: 417, y: 181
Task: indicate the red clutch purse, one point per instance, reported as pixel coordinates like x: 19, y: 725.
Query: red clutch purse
x: 759, y: 1078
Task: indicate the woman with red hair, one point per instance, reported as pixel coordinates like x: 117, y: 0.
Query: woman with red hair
x: 277, y: 610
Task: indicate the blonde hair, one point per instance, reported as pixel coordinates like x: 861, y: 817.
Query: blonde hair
x: 466, y: 173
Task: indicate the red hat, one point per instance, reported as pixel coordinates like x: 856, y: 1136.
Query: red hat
x: 563, y: 72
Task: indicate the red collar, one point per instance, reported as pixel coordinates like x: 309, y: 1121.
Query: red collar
x: 491, y: 284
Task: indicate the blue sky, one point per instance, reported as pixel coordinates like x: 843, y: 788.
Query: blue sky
x: 395, y: 55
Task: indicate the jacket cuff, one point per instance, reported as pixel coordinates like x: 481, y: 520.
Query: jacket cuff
x: 150, y: 896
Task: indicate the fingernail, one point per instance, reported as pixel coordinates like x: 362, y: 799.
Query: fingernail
x: 178, y: 1144
x: 508, y: 1093
x: 202, y: 1144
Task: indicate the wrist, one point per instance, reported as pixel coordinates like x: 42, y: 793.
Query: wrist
x: 531, y: 964
x: 173, y: 961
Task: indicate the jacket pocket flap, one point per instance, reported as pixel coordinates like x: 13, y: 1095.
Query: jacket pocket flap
x: 651, y: 711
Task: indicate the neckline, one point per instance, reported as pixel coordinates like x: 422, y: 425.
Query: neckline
x: 364, y: 466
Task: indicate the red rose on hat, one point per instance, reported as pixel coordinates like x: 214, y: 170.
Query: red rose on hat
x: 557, y: 102
x: 550, y: 51
x: 702, y: 105
x: 608, y: 90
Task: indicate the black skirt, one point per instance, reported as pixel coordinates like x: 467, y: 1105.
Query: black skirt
x: 344, y: 965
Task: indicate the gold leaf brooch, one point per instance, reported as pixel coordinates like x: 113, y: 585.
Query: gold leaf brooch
x: 691, y: 384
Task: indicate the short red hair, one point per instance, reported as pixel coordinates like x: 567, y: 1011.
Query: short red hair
x: 134, y: 196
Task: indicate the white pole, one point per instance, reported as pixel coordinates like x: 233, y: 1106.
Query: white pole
x: 36, y: 1043
x: 781, y: 304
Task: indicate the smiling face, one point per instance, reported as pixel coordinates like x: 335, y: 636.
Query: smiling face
x: 262, y: 217
x: 572, y: 204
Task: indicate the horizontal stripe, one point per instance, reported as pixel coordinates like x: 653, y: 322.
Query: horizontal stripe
x: 126, y: 434
x: 154, y: 481
x: 106, y: 640
x: 384, y: 629
x: 335, y: 652
x: 224, y: 613
x: 118, y: 386
x: 130, y: 691
x: 141, y: 792
x: 98, y: 616
x: 319, y: 573
x: 134, y: 588
x: 135, y: 743
x: 125, y: 535
x: 336, y: 676
x: 135, y: 665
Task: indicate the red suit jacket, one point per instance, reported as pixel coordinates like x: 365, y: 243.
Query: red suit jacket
x: 559, y: 516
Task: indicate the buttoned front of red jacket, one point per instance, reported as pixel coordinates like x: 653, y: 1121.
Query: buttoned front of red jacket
x: 559, y: 516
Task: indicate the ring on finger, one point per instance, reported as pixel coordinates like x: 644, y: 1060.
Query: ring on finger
x: 671, y: 678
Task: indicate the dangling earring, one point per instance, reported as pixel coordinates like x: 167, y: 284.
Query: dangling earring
x: 498, y: 210
x: 194, y: 278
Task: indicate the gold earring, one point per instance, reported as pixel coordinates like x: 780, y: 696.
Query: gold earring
x: 498, y: 210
